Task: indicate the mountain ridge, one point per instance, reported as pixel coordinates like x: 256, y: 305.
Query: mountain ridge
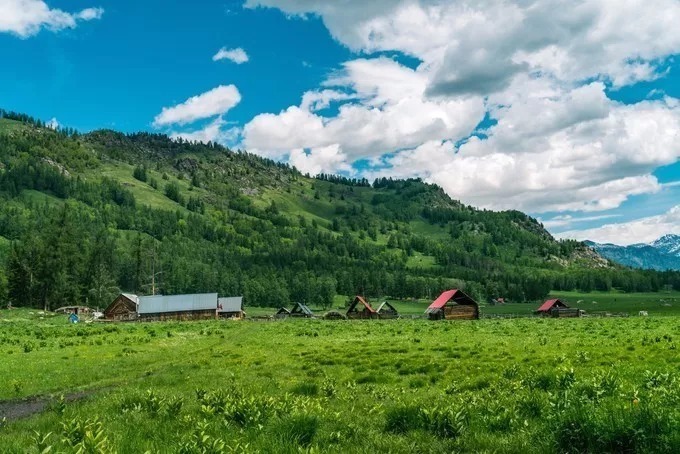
x: 661, y: 254
x: 83, y: 213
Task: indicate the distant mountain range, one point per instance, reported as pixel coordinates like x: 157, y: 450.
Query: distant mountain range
x: 662, y: 254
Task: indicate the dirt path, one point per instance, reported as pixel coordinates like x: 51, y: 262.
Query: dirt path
x: 21, y: 408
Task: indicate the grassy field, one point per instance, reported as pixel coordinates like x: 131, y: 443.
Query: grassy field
x: 517, y: 385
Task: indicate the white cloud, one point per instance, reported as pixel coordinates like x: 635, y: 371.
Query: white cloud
x: 26, y: 17
x: 568, y: 220
x: 559, y: 143
x: 387, y: 110
x: 643, y: 230
x: 237, y: 55
x: 320, y: 160
x: 217, y: 101
x: 214, y: 131
x: 52, y: 124
x: 479, y: 46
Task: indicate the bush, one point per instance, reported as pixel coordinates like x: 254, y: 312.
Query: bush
x: 298, y: 429
x: 306, y: 389
x: 401, y: 419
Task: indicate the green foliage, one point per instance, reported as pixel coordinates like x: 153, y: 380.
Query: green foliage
x: 255, y: 227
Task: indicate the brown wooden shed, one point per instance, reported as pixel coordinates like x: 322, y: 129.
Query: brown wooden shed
x: 360, y: 309
x: 453, y: 305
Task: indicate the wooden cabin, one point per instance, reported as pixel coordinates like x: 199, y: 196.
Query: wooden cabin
x: 300, y: 310
x: 230, y: 307
x: 334, y: 315
x: 453, y: 305
x: 123, y: 308
x: 557, y: 308
x: 386, y: 311
x: 178, y: 307
x: 282, y: 313
x: 360, y: 309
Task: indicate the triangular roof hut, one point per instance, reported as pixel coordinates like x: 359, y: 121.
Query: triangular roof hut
x: 386, y: 310
x: 359, y: 308
x: 301, y: 310
x: 124, y: 307
x: 453, y: 305
x: 282, y: 313
x: 549, y: 305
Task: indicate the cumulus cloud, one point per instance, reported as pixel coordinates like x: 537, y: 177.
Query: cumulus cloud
x: 215, y: 131
x: 643, y: 230
x: 387, y: 110
x: 217, y: 101
x: 25, y: 18
x: 52, y: 124
x: 237, y: 55
x: 539, y: 71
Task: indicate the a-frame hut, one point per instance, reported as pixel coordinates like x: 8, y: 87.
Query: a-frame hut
x: 124, y: 307
x: 386, y: 310
x: 453, y: 305
x: 359, y: 309
x: 557, y: 308
x: 301, y: 310
x: 282, y: 313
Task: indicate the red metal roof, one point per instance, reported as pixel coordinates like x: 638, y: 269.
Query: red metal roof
x: 545, y: 307
x: 443, y: 299
x: 363, y: 301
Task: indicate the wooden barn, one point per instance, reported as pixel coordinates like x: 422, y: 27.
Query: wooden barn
x: 453, y: 305
x: 360, y: 309
x: 557, y: 308
x: 386, y: 310
x: 301, y: 311
x: 230, y: 307
x: 178, y: 307
x: 124, y: 307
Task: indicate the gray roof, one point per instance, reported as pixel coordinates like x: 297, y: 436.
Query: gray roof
x: 132, y: 297
x: 177, y: 303
x: 303, y: 308
x: 230, y: 304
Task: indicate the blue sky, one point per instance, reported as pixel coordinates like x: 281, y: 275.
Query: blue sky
x: 570, y: 115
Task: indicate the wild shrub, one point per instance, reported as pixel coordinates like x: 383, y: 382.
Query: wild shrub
x: 403, y: 418
x: 298, y: 429
x: 306, y: 389
x: 85, y: 436
x: 621, y: 429
x: 444, y: 422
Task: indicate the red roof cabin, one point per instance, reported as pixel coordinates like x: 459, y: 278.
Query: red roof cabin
x: 557, y: 308
x: 453, y: 305
x: 360, y: 309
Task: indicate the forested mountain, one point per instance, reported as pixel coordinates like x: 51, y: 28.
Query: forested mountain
x: 662, y: 254
x: 85, y: 216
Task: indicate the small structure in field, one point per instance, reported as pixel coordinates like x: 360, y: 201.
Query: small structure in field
x: 178, y: 307
x: 282, y: 313
x: 360, y: 309
x: 334, y: 315
x: 300, y: 310
x: 453, y: 305
x: 386, y: 310
x: 78, y: 310
x: 230, y: 307
x: 557, y: 308
x: 124, y: 307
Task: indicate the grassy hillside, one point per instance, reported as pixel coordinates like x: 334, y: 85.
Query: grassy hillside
x: 90, y: 215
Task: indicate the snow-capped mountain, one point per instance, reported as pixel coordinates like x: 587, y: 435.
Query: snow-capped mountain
x: 669, y: 244
x: 662, y: 254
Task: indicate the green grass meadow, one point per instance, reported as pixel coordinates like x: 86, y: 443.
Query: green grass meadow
x: 494, y: 385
